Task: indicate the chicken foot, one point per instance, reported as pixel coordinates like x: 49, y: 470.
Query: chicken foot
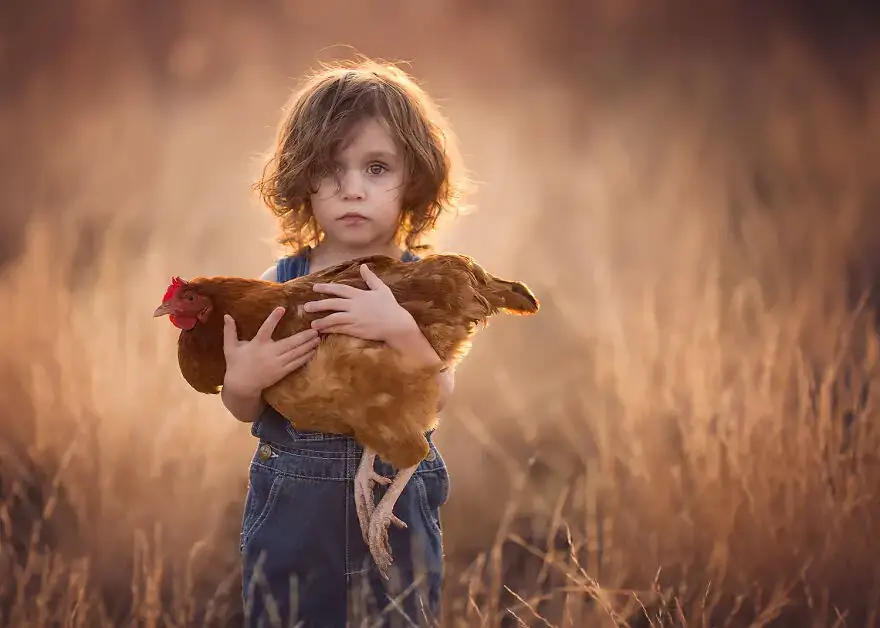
x: 364, y: 503
x: 382, y: 517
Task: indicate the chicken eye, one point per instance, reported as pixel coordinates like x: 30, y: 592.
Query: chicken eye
x: 189, y: 297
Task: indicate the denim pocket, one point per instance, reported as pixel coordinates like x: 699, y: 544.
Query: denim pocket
x: 433, y: 491
x: 262, y: 495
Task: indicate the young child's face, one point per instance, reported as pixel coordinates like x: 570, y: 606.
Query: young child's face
x: 361, y: 206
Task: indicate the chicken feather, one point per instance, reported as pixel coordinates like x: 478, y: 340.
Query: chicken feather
x: 352, y: 387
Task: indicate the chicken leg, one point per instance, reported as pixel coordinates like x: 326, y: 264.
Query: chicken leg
x: 364, y: 502
x: 382, y: 517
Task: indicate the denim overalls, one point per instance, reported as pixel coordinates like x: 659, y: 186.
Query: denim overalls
x: 303, y: 556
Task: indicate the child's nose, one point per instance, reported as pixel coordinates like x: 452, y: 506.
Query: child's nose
x: 352, y: 186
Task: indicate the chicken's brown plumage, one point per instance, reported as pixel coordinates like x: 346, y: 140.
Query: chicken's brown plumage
x: 356, y: 387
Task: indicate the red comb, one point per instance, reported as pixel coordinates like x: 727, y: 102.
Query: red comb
x: 176, y: 284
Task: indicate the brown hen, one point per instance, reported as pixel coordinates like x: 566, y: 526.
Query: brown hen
x: 353, y: 387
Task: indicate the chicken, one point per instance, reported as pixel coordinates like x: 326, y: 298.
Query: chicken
x: 353, y: 387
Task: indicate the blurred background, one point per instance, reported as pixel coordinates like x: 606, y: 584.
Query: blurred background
x: 683, y: 436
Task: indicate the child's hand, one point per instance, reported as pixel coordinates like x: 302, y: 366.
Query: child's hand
x: 372, y: 314
x: 252, y: 366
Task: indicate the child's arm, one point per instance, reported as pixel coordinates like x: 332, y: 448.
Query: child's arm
x: 410, y: 341
x: 245, y: 407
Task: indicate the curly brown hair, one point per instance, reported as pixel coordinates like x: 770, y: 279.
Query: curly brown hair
x: 316, y: 121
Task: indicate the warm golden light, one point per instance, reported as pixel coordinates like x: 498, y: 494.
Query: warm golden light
x: 693, y: 198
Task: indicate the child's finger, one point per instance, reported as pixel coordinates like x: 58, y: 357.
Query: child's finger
x: 299, y: 349
x: 268, y: 326
x: 230, y: 335
x: 337, y: 289
x: 292, y: 365
x: 322, y: 305
x: 348, y: 330
x: 296, y: 340
x: 371, y: 278
x: 330, y: 321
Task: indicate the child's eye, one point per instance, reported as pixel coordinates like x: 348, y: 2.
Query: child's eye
x: 376, y: 169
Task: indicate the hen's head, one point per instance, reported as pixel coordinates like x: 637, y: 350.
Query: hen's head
x: 184, y: 304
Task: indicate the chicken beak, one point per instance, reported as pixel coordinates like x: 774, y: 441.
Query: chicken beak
x: 162, y: 310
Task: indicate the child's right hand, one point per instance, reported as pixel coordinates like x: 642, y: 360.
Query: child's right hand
x: 254, y: 365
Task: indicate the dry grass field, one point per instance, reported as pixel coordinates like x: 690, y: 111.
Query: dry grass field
x: 685, y: 436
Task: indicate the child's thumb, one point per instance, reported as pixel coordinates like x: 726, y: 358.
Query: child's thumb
x: 230, y: 335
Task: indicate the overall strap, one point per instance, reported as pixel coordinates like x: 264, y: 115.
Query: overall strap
x: 292, y: 266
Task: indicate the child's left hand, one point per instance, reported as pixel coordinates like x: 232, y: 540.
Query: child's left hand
x: 372, y: 314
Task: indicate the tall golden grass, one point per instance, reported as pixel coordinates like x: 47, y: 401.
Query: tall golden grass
x: 688, y: 464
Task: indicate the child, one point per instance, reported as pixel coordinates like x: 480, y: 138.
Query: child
x: 361, y: 167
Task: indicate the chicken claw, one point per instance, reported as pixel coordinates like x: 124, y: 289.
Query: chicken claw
x: 382, y: 517
x: 363, y: 490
